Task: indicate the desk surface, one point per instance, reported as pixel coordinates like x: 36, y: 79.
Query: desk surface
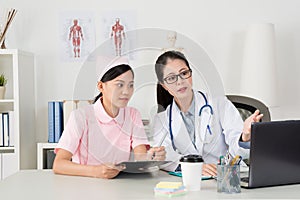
x: 43, y: 184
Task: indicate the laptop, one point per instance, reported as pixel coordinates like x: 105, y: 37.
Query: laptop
x: 274, y: 154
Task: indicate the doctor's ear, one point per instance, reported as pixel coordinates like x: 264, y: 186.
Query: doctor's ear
x: 164, y: 86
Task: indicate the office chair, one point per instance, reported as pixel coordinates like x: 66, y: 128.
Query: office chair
x: 247, y: 106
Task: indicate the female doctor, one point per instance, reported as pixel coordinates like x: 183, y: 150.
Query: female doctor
x: 194, y: 123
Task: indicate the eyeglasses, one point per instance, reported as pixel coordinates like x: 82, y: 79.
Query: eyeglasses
x: 174, y: 78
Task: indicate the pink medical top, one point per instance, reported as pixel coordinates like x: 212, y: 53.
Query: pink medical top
x: 93, y: 137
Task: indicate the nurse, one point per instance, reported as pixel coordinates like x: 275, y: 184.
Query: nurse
x: 103, y: 134
x: 193, y: 122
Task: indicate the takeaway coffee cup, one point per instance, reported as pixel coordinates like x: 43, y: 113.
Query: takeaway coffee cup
x: 191, y: 169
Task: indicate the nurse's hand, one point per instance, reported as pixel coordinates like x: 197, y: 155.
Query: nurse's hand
x: 209, y: 170
x: 157, y: 153
x: 107, y: 171
x: 255, y: 117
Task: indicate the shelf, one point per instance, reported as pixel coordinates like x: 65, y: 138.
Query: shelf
x: 18, y: 66
x: 14, y: 51
x: 47, y: 145
x: 7, y: 101
x: 7, y: 149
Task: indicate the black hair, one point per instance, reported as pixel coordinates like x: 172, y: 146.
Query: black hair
x: 112, y: 74
x: 163, y: 97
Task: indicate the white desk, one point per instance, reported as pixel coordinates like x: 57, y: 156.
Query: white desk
x: 43, y: 184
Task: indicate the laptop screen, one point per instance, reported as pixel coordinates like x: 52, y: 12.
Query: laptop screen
x: 275, y: 153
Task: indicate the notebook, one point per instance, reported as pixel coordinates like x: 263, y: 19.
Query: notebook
x: 274, y: 154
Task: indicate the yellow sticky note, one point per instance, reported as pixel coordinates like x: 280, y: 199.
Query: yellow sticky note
x: 169, y: 184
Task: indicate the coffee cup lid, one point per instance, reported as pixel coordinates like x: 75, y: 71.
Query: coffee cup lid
x: 191, y: 158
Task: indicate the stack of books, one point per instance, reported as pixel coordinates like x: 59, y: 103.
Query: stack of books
x: 169, y: 189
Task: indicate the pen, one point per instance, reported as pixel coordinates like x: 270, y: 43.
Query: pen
x: 222, y: 160
x: 228, y: 157
x: 239, y: 160
x: 160, y: 143
x: 162, y: 139
x: 234, y: 160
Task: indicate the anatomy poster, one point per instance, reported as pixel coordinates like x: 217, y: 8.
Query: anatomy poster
x: 116, y: 25
x: 76, y: 36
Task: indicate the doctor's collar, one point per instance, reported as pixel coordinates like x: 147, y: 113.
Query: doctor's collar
x: 191, y: 109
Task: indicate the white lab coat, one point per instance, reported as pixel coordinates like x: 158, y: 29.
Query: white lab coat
x: 226, y: 127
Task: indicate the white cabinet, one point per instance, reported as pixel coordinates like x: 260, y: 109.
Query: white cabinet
x: 18, y: 67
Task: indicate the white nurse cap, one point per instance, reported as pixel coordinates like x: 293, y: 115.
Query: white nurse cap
x: 105, y: 63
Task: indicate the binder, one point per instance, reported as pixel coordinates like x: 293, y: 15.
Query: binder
x: 5, y: 129
x: 51, y: 122
x: 58, y: 120
x: 11, y: 129
x: 55, y: 121
x: 50, y: 158
x: 58, y: 114
x: 1, y: 132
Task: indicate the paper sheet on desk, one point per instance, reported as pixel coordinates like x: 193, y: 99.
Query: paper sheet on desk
x: 142, y: 166
x: 180, y: 175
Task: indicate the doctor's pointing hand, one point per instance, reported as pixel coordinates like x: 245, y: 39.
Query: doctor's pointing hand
x: 255, y: 117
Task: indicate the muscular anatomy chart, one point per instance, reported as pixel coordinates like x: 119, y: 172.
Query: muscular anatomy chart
x: 76, y: 36
x: 117, y: 33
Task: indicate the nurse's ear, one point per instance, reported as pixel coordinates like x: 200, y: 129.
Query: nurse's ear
x: 100, y: 86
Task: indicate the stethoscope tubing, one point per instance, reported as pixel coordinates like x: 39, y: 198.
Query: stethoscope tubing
x: 200, y: 112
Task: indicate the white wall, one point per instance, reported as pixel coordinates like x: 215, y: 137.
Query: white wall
x: 218, y: 26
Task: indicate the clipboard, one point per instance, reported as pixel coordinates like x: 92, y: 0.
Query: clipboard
x: 142, y: 166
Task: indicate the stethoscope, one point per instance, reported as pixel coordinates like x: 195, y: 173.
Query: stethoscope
x: 206, y: 105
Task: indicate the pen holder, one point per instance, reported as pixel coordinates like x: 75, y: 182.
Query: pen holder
x: 228, y: 179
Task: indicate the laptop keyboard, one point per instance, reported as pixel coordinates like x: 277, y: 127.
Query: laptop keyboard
x: 245, y: 179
